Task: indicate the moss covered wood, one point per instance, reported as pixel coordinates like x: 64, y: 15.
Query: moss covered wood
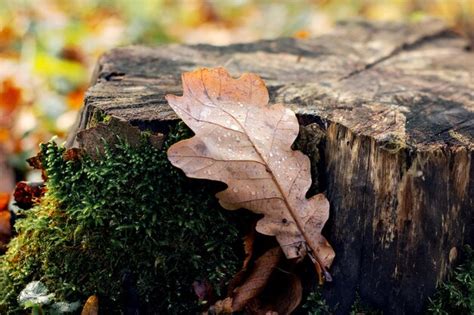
x: 128, y: 227
x: 396, y: 102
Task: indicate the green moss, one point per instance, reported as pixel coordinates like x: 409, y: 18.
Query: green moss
x: 98, y: 116
x: 128, y: 211
x: 315, y: 304
x: 456, y: 296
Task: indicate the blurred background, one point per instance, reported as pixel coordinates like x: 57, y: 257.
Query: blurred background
x: 48, y: 48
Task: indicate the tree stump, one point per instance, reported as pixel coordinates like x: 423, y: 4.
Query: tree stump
x: 397, y: 104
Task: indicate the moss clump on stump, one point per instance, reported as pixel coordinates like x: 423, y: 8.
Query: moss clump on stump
x: 129, y: 212
x: 456, y: 296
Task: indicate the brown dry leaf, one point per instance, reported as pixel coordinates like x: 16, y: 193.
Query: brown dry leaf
x: 28, y: 194
x: 283, y: 298
x: 245, y: 290
x: 92, y: 306
x: 257, y: 280
x: 243, y: 142
x: 36, y: 163
x: 249, y: 242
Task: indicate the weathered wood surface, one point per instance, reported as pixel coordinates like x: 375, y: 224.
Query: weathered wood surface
x: 397, y: 103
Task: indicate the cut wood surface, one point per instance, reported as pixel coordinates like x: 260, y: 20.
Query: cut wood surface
x: 397, y: 104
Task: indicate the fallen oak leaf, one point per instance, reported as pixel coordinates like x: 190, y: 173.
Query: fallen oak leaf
x: 257, y: 280
x: 267, y: 289
x: 249, y: 242
x: 284, y: 295
x: 243, y: 142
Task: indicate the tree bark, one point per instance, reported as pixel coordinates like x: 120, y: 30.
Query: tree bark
x: 396, y: 102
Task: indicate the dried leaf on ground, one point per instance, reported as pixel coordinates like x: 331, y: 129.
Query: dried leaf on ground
x: 267, y: 289
x: 243, y: 142
x: 249, y: 242
x: 91, y: 307
x: 36, y: 163
x: 257, y: 280
x: 28, y: 194
x: 283, y: 297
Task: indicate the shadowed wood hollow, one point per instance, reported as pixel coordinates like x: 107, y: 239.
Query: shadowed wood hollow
x: 397, y: 105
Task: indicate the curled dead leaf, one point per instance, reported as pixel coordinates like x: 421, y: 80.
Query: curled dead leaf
x: 267, y: 288
x: 91, y: 307
x: 257, y: 280
x: 249, y: 242
x: 283, y: 296
x: 243, y: 142
x: 36, y: 163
